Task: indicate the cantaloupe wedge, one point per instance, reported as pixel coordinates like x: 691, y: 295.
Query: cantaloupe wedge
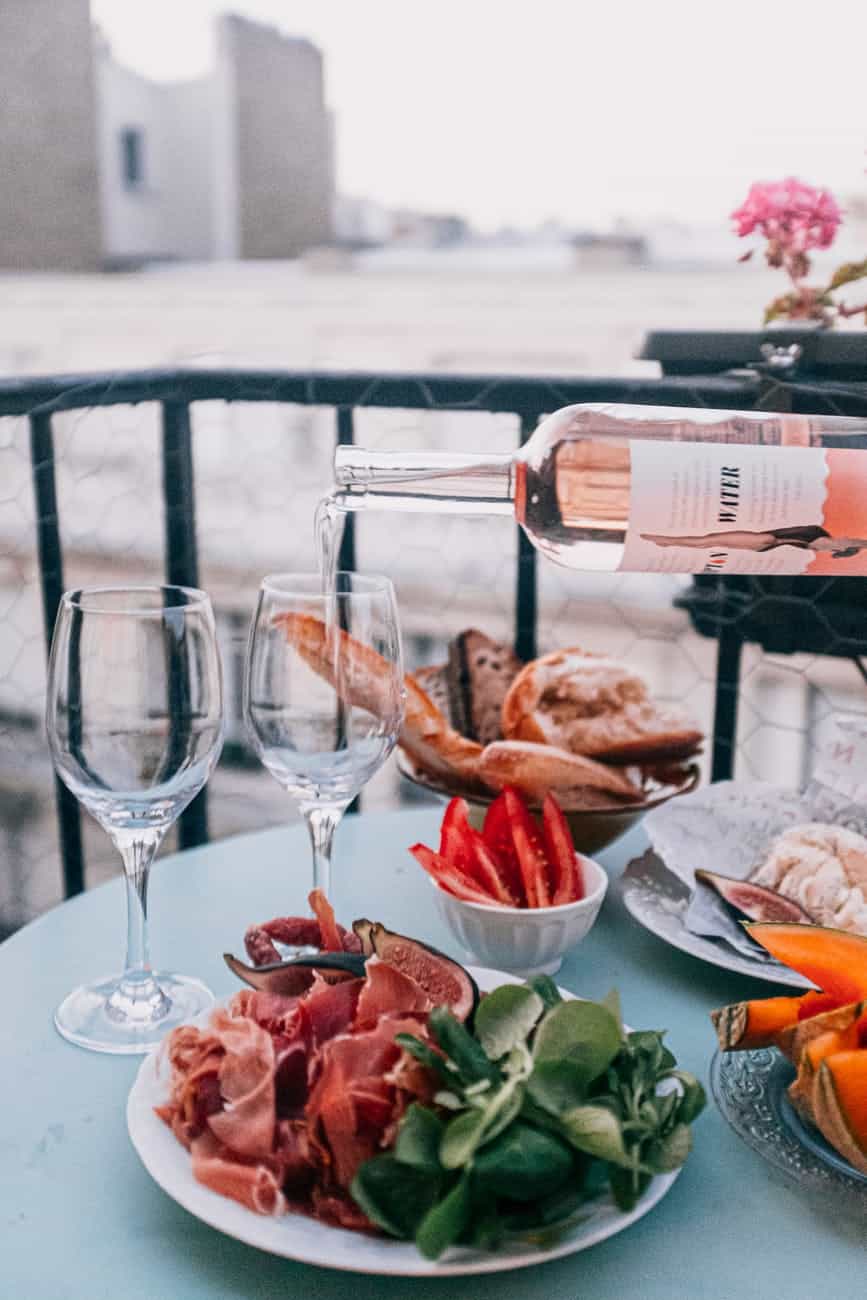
x: 756, y: 1024
x: 812, y: 1044
x: 795, y: 1039
x: 835, y: 960
x: 839, y: 1103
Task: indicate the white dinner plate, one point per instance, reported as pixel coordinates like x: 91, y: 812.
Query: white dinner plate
x: 298, y: 1237
x: 657, y: 899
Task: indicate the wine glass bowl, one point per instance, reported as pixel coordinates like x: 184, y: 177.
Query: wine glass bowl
x: 323, y: 692
x: 134, y: 720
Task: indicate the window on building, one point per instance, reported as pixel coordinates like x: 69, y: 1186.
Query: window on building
x: 132, y: 157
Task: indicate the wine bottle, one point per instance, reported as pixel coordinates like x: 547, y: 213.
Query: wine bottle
x: 658, y: 489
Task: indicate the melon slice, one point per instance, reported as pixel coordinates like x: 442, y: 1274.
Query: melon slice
x: 840, y: 1105
x: 835, y: 960
x: 755, y: 1024
x: 795, y: 1039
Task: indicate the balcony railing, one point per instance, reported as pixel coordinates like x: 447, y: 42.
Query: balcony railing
x: 782, y: 614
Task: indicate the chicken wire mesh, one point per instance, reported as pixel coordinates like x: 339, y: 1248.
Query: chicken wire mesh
x: 260, y: 469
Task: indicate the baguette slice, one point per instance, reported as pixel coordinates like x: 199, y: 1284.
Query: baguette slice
x: 536, y: 769
x: 480, y: 672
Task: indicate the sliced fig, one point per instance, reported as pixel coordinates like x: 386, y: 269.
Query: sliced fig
x: 754, y: 901
x: 444, y: 980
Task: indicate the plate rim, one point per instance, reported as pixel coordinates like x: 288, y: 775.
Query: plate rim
x: 693, y: 944
x: 142, y: 1125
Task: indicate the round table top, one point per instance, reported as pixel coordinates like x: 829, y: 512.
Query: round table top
x: 82, y: 1218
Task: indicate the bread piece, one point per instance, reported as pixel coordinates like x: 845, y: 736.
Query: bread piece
x: 480, y: 672
x: 824, y: 869
x: 434, y: 682
x: 368, y: 681
x: 591, y: 704
x: 536, y: 769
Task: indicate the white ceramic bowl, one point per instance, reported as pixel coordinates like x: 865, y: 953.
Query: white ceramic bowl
x: 524, y: 941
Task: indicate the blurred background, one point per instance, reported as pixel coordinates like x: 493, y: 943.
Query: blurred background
x: 317, y: 184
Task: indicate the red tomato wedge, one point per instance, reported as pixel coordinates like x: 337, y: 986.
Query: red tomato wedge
x: 452, y: 879
x: 565, y: 864
x: 497, y: 834
x: 463, y: 847
x: 530, y: 850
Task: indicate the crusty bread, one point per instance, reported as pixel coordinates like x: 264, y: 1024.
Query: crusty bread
x: 434, y: 682
x: 480, y: 672
x: 368, y: 681
x: 594, y: 705
x: 535, y: 769
x: 824, y: 869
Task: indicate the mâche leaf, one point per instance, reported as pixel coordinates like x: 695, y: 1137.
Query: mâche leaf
x: 557, y: 1086
x: 445, y: 1222
x: 669, y: 1152
x: 693, y: 1098
x: 505, y: 1017
x: 423, y: 1053
x: 393, y: 1195
x: 596, y: 1130
x: 523, y: 1163
x: 583, y: 1033
x: 461, y: 1137
x: 419, y: 1137
x: 460, y: 1047
x: 546, y: 989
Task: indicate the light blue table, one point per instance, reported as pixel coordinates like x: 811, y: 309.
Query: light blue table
x: 81, y: 1218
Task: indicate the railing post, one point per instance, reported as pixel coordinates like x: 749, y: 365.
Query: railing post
x: 51, y: 581
x: 181, y: 559
x: 525, y: 591
x: 725, y: 719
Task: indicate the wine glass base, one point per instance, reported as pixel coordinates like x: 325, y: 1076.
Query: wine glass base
x: 89, y: 1017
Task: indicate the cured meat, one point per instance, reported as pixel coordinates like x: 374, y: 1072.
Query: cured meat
x: 279, y: 1099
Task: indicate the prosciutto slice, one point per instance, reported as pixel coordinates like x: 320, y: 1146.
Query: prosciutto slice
x: 279, y: 1099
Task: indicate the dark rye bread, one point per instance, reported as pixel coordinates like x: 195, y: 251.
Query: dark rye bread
x: 479, y: 673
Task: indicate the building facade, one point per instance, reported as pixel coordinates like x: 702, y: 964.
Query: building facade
x: 49, y: 169
x: 237, y: 164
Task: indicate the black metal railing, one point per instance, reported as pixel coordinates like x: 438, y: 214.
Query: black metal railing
x: 716, y: 607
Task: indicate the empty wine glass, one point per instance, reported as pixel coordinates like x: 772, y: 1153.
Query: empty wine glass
x: 323, y: 693
x: 135, y: 726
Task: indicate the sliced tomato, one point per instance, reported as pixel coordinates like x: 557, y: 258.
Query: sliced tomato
x: 530, y: 850
x: 566, y: 873
x: 451, y: 878
x: 497, y: 834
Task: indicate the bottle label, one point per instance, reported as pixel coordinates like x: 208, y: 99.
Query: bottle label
x: 733, y: 508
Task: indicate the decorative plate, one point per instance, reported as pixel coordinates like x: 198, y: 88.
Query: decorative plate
x: 657, y: 899
x: 750, y: 1090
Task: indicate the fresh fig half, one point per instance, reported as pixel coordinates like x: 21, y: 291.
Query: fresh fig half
x: 754, y: 901
x: 444, y: 980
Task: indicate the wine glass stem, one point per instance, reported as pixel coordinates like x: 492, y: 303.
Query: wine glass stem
x: 321, y: 823
x: 138, y: 848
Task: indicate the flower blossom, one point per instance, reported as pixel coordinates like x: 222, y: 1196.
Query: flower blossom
x: 792, y: 216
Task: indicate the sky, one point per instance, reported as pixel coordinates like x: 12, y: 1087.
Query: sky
x: 514, y: 112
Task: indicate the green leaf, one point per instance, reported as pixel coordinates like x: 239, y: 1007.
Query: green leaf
x: 693, y: 1099
x: 583, y: 1033
x: 419, y: 1137
x: 505, y: 1106
x: 669, y: 1152
x: 546, y: 989
x: 848, y: 273
x: 505, y: 1018
x: 596, y: 1130
x: 393, y: 1195
x: 523, y: 1163
x: 548, y: 1211
x: 461, y: 1137
x: 486, y: 1228
x: 556, y: 1086
x: 460, y: 1046
x: 627, y: 1186
x: 611, y: 1002
x: 423, y: 1053
x: 445, y: 1222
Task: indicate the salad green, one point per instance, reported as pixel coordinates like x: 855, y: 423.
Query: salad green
x: 544, y: 1105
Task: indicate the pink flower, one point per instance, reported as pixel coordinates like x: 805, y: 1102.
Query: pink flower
x: 792, y: 216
